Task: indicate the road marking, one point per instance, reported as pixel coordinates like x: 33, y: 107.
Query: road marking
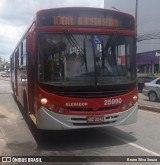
x: 139, y: 147
x: 7, y: 114
x: 134, y: 145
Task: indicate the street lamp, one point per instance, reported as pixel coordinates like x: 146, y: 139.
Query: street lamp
x: 158, y: 55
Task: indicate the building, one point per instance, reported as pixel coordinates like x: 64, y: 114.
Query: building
x: 148, y: 62
x: 5, y: 66
x: 148, y: 28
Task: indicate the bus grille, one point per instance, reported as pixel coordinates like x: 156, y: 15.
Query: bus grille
x: 93, y: 94
x: 91, y: 110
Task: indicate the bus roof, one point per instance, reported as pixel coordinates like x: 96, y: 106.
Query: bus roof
x: 84, y: 8
x: 84, y: 16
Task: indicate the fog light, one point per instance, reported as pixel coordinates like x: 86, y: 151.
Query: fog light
x: 124, y: 107
x: 51, y: 107
x: 131, y: 103
x: 44, y: 101
x: 61, y: 110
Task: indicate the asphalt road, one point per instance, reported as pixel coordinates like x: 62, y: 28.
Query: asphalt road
x: 18, y: 137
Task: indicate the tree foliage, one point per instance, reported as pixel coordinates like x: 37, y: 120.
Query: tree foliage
x: 1, y: 59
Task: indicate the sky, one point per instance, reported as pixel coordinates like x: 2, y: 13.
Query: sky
x: 17, y: 15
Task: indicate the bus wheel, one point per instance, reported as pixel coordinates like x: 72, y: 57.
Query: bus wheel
x: 26, y: 112
x: 152, y: 96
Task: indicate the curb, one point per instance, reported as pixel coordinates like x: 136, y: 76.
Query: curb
x: 148, y: 108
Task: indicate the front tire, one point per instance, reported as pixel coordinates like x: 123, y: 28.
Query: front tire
x: 152, y: 96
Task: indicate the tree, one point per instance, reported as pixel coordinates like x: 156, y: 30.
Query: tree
x: 1, y: 59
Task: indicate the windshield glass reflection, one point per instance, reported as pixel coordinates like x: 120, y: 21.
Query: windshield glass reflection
x: 84, y: 60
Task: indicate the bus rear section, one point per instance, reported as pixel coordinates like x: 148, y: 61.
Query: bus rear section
x: 82, y: 72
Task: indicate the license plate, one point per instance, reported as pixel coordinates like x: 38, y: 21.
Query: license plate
x: 95, y: 119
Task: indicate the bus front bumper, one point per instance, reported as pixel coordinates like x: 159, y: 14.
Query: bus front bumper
x: 48, y: 120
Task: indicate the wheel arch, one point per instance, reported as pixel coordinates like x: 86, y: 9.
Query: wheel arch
x: 25, y: 101
x: 152, y: 91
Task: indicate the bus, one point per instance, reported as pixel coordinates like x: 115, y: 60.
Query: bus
x: 75, y: 68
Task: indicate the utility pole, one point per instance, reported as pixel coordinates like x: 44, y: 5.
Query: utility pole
x: 158, y: 55
x: 136, y: 17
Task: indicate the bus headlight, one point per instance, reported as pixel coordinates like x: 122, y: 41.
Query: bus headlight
x: 44, y: 101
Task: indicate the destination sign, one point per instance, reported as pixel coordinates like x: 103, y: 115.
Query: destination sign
x: 91, y: 21
x: 85, y: 18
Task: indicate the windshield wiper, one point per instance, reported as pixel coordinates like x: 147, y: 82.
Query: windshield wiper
x: 110, y: 42
x: 103, y: 57
x: 109, y: 47
x: 85, y: 57
x: 72, y: 40
x: 74, y: 43
x: 94, y: 57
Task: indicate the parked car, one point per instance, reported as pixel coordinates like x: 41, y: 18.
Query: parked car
x: 5, y: 74
x: 143, y: 79
x: 152, y: 90
x: 2, y: 72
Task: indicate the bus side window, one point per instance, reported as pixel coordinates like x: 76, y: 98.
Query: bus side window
x: 19, y: 57
x: 22, y: 55
x: 24, y: 61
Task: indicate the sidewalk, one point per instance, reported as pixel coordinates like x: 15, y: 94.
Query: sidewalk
x: 5, y: 79
x: 145, y: 104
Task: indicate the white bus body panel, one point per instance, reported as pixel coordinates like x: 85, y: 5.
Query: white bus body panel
x: 48, y: 120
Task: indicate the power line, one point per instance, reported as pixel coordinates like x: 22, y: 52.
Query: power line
x: 148, y: 36
x: 151, y: 43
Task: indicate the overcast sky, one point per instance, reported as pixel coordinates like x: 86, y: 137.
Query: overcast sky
x: 17, y: 15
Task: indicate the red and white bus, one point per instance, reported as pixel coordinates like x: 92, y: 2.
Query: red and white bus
x: 76, y: 68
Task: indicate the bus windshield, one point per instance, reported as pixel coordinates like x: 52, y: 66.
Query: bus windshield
x: 67, y: 59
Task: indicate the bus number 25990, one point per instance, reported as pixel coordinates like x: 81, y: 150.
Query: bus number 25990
x: 113, y: 101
